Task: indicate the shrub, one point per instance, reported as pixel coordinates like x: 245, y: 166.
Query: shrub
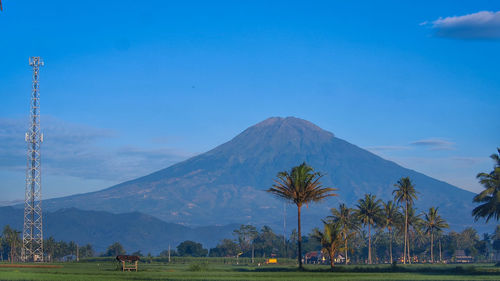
x: 198, y: 267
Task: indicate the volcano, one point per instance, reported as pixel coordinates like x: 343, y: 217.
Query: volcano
x: 227, y: 184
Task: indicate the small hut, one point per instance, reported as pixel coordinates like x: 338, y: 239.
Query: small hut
x: 461, y: 257
x: 315, y: 257
x: 128, y: 262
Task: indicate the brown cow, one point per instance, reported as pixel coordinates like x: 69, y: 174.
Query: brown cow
x: 127, y: 258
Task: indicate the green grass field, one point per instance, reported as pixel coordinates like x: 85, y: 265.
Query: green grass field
x: 106, y: 270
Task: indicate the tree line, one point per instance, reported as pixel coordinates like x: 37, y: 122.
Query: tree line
x: 11, y: 244
x: 384, y: 245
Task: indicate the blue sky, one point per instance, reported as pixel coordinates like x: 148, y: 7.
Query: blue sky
x: 130, y: 87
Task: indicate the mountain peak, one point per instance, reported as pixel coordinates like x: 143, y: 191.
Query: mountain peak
x: 290, y: 121
x: 271, y: 139
x: 288, y: 128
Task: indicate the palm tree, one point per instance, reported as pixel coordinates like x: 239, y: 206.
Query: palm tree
x: 433, y: 222
x: 490, y: 196
x: 405, y: 192
x: 439, y: 235
x: 246, y: 235
x: 301, y: 186
x: 330, y: 239
x: 345, y: 218
x: 368, y: 213
x: 12, y: 238
x: 415, y: 225
x: 49, y: 246
x: 389, y: 219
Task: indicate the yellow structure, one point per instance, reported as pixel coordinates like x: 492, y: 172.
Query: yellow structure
x: 272, y: 261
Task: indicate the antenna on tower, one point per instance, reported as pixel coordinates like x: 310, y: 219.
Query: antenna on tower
x: 32, y: 250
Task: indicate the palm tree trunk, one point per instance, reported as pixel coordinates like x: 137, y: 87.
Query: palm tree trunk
x: 12, y: 251
x: 299, y: 240
x: 390, y: 244
x: 253, y: 251
x: 408, y: 251
x: 440, y: 257
x: 432, y: 253
x: 406, y: 231
x: 345, y: 237
x: 369, y: 245
x: 332, y: 256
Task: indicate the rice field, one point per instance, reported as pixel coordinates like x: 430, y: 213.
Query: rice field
x: 107, y: 270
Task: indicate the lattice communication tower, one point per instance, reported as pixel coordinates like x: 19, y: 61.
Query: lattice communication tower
x: 32, y: 250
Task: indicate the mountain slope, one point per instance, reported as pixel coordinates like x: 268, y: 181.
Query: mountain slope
x: 135, y: 231
x: 226, y: 185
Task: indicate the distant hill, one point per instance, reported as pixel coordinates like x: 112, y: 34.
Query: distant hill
x: 226, y: 184
x: 135, y: 231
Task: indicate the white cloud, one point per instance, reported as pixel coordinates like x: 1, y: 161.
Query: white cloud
x: 434, y: 144
x: 480, y: 25
x: 388, y: 148
x: 468, y: 161
x: 73, y: 150
x: 429, y: 144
